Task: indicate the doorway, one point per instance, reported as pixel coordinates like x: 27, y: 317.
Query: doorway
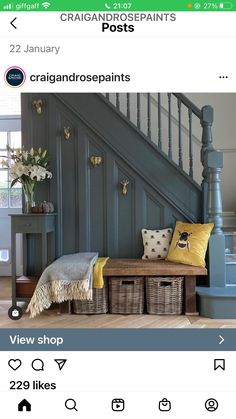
x: 10, y: 198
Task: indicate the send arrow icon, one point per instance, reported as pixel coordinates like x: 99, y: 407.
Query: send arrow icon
x: 60, y: 363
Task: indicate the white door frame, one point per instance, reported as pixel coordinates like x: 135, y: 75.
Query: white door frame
x: 10, y: 123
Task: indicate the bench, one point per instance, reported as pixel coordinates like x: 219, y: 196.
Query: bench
x: 144, y: 268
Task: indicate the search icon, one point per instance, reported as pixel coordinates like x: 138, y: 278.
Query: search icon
x: 71, y: 404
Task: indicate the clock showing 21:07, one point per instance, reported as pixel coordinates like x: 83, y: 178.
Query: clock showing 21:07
x: 118, y: 6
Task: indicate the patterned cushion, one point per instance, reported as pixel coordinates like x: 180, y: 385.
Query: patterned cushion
x: 156, y: 243
x: 189, y: 244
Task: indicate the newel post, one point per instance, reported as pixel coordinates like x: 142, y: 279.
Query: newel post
x: 212, y: 161
x: 206, y: 122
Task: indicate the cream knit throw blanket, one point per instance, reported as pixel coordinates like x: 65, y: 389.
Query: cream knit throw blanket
x: 68, y: 278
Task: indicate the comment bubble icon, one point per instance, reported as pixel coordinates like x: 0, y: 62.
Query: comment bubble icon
x: 37, y: 364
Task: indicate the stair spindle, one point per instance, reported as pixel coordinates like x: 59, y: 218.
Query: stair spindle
x: 128, y: 105
x: 169, y: 126
x: 118, y: 101
x: 159, y: 122
x: 149, y: 133
x: 180, y: 134
x: 138, y: 110
x: 190, y: 116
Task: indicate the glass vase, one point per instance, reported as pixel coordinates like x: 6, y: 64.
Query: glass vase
x: 28, y: 189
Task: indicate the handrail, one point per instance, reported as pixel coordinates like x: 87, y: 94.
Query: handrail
x: 188, y: 103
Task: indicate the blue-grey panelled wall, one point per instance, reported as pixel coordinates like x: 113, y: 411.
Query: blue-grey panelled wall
x: 93, y: 213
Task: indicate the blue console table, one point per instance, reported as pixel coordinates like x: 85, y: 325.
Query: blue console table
x: 27, y: 224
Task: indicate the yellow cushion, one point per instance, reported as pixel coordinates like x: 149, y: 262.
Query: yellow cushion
x: 189, y: 243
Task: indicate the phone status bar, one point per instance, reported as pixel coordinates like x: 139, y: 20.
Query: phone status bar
x: 101, y: 6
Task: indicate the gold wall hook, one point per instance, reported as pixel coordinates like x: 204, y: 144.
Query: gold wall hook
x: 124, y: 186
x: 96, y: 160
x: 38, y: 104
x: 67, y: 133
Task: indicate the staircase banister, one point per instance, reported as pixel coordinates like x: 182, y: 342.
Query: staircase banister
x: 189, y: 104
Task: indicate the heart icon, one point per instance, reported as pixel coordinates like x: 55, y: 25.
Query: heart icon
x: 14, y: 364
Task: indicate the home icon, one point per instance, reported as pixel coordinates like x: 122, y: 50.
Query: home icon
x: 24, y: 405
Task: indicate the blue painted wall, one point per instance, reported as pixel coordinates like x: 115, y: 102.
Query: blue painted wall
x: 93, y: 214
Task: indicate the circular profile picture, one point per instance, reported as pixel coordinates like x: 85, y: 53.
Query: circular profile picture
x: 15, y: 76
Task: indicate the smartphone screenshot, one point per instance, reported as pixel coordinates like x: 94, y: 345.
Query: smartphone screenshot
x: 117, y: 209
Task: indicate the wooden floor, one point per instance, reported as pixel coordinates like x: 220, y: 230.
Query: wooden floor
x: 53, y: 319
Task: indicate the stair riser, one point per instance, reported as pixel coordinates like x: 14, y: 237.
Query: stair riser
x: 231, y: 273
x: 217, y: 307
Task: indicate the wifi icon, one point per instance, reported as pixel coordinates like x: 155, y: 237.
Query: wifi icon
x: 46, y: 5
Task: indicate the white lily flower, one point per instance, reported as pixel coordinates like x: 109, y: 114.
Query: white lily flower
x: 37, y: 172
x: 49, y: 174
x: 17, y: 170
x: 25, y: 154
x: 22, y: 170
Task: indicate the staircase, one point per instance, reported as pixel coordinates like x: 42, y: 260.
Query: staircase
x: 153, y: 142
x: 182, y: 148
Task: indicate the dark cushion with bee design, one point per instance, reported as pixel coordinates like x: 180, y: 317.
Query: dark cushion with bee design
x: 189, y: 243
x: 156, y: 243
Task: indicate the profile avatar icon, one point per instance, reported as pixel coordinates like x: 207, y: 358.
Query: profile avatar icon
x: 211, y: 405
x: 15, y: 76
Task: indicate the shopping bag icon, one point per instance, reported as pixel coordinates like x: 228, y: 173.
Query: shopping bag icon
x: 164, y: 405
x: 15, y: 313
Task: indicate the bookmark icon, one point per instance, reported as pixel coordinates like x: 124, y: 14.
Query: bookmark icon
x: 219, y: 364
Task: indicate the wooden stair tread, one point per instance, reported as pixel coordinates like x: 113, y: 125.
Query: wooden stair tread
x: 140, y: 267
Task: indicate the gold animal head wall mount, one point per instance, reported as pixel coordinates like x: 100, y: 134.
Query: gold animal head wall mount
x: 95, y: 160
x: 67, y: 133
x: 124, y: 186
x: 38, y: 106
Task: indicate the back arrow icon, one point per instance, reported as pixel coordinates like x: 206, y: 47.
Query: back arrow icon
x: 12, y: 23
x: 221, y: 339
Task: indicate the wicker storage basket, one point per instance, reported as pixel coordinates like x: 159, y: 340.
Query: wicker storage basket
x: 98, y: 305
x: 164, y: 295
x: 126, y: 295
